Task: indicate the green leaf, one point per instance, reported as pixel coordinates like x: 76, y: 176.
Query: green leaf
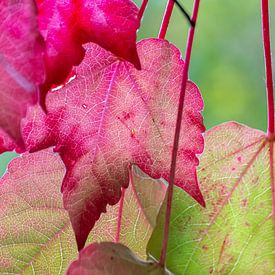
x: 35, y: 232
x: 234, y: 234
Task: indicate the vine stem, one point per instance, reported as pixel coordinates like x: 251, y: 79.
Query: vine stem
x: 270, y: 99
x: 268, y: 66
x: 166, y: 19
x: 271, y: 160
x: 119, y: 216
x: 142, y: 9
x: 177, y: 133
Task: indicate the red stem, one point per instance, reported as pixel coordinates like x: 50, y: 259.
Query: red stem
x: 268, y: 66
x: 119, y: 216
x: 271, y: 160
x: 142, y: 9
x: 166, y: 19
x: 177, y: 133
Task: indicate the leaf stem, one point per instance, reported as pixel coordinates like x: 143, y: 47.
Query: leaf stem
x: 166, y: 19
x: 119, y: 216
x: 177, y: 133
x: 271, y: 160
x: 268, y: 66
x: 142, y: 9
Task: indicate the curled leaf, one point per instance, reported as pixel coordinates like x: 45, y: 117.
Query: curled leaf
x: 110, y: 258
x: 67, y: 25
x: 112, y: 116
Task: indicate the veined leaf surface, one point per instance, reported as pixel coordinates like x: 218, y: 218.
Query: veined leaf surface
x: 112, y: 116
x: 235, y: 233
x: 36, y: 234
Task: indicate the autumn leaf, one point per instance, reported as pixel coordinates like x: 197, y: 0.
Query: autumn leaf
x: 113, y: 115
x: 36, y: 234
x: 235, y: 233
x: 27, y: 62
x: 21, y: 68
x: 66, y: 25
x: 109, y: 258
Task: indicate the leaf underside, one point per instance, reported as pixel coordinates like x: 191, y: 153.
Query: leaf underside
x: 234, y: 234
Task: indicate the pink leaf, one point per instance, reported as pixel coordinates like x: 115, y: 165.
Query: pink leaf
x: 113, y: 115
x: 21, y: 67
x: 66, y: 25
x: 110, y: 258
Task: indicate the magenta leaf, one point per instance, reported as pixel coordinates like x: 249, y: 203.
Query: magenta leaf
x: 110, y: 258
x: 113, y: 115
x: 66, y: 25
x: 21, y: 67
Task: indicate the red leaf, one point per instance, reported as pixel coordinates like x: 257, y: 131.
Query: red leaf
x: 21, y: 67
x: 113, y: 115
x: 66, y: 25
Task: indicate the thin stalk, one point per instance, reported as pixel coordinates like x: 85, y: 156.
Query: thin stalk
x: 268, y: 66
x: 119, y: 216
x: 142, y: 9
x: 271, y: 160
x: 177, y: 133
x: 166, y: 19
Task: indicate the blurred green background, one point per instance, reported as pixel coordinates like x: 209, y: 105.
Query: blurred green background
x: 227, y: 60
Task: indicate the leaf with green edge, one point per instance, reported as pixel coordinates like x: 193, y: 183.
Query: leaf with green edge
x: 235, y: 233
x: 110, y: 258
x: 36, y: 234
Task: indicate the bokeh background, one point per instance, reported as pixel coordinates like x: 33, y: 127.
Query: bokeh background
x: 227, y: 61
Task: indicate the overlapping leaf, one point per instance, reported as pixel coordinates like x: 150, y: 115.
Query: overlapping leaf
x: 36, y: 234
x: 235, y: 233
x: 109, y: 258
x: 66, y: 25
x: 142, y: 201
x: 113, y: 115
x: 21, y: 67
